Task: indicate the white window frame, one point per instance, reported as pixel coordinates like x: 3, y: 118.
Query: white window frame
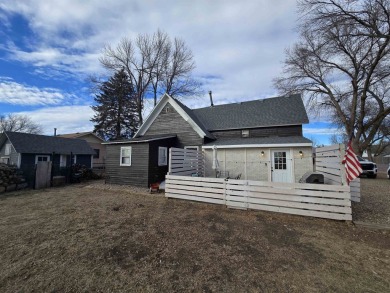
x: 120, y: 156
x: 74, y: 159
x: 163, y: 161
x: 63, y: 160
x: 7, y: 150
x: 43, y: 156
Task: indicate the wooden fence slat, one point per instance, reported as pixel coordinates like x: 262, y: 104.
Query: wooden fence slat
x: 336, y: 199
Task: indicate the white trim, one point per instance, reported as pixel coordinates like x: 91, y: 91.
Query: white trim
x: 160, y: 162
x: 191, y: 147
x: 74, y: 159
x: 238, y: 146
x: 138, y: 141
x: 157, y: 110
x: 19, y: 160
x: 120, y: 156
x: 37, y: 156
x: 8, y: 149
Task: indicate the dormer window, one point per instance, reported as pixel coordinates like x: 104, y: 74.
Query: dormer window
x: 245, y: 133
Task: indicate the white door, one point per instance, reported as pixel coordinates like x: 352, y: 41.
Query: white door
x: 281, y: 166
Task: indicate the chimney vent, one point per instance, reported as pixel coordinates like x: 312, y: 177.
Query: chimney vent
x: 55, y: 131
x: 211, y: 99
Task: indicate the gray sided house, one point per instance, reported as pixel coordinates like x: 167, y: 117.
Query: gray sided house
x: 259, y: 140
x: 25, y: 150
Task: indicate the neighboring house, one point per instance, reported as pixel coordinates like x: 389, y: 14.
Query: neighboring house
x: 261, y: 140
x: 94, y: 142
x: 25, y: 150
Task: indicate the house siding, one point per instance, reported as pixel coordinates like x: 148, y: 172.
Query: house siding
x: 252, y: 166
x: 13, y: 156
x: 173, y: 122
x: 137, y: 173
x: 295, y: 130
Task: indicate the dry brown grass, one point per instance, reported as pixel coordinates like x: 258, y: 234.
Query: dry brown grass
x: 80, y: 239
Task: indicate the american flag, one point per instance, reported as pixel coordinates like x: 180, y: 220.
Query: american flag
x: 352, y: 166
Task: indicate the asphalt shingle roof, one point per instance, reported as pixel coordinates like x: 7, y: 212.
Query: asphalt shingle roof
x: 259, y: 113
x: 260, y: 140
x: 43, y: 144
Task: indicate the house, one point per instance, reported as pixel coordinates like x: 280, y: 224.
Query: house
x: 259, y: 140
x: 94, y: 142
x: 25, y: 150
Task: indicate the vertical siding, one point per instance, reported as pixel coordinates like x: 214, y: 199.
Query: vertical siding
x: 172, y: 122
x: 137, y: 173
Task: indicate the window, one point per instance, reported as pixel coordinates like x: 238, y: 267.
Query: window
x: 245, y: 133
x: 162, y: 156
x: 4, y: 160
x: 62, y: 160
x: 125, y: 156
x: 97, y: 153
x: 7, y: 150
x: 280, y: 160
x: 42, y: 158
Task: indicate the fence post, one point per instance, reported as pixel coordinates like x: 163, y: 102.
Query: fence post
x: 246, y: 194
x: 170, y: 162
x: 224, y: 191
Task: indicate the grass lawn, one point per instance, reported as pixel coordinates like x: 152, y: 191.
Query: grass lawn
x: 82, y: 239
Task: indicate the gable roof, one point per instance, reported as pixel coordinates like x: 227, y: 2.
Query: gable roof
x: 43, y: 144
x: 79, y: 134
x: 147, y: 138
x: 183, y: 110
x: 276, y: 111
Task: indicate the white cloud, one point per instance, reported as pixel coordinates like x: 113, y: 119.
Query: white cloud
x: 67, y: 119
x: 242, y: 42
x: 319, y: 131
x: 15, y: 93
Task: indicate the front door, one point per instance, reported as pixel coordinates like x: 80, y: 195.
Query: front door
x: 281, y: 166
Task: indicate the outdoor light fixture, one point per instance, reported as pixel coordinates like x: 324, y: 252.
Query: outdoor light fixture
x: 301, y: 153
x: 262, y: 153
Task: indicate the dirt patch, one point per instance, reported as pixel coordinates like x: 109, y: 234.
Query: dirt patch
x: 86, y: 238
x: 375, y: 201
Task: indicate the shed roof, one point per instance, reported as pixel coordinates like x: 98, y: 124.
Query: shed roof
x: 43, y: 144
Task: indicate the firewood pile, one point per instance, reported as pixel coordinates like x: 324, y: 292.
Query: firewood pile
x: 10, y: 178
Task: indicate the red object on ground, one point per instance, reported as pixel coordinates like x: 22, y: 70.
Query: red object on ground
x: 154, y: 187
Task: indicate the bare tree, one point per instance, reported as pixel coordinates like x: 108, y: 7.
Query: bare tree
x: 342, y: 71
x: 155, y: 65
x: 19, y: 123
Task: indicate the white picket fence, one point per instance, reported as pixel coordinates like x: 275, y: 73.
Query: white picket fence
x: 186, y: 162
x: 328, y: 161
x: 316, y: 200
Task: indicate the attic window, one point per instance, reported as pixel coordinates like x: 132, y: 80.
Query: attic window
x: 168, y: 109
x: 245, y: 133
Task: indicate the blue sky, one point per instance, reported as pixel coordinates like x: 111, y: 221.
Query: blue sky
x: 49, y: 48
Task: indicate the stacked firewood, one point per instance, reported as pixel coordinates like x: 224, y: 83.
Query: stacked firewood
x: 9, y: 175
